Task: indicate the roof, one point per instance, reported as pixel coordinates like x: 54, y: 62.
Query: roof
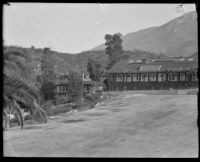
x: 124, y: 67
x: 62, y: 79
x: 149, y: 68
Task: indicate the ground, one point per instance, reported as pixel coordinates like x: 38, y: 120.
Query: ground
x: 132, y: 124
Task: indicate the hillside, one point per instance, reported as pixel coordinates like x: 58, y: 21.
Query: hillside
x: 65, y: 61
x: 178, y: 37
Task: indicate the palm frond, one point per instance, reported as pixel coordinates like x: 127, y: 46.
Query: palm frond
x: 12, y: 73
x: 19, y: 90
x: 16, y: 68
x: 8, y: 55
x: 12, y: 66
x: 23, y: 96
x: 19, y: 114
x: 40, y: 111
x: 17, y: 83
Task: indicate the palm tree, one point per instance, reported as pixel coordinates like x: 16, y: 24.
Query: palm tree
x: 18, y: 89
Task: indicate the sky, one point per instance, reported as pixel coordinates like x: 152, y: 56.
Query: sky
x: 73, y: 28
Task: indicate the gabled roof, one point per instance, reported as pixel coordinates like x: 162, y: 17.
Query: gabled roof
x: 125, y: 67
x: 177, y: 65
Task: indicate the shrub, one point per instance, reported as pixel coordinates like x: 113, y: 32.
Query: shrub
x: 61, y: 109
x: 61, y: 99
x: 48, y: 90
x: 92, y: 99
x: 75, y: 86
x: 48, y: 107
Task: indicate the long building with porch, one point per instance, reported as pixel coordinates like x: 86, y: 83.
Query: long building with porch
x: 168, y: 73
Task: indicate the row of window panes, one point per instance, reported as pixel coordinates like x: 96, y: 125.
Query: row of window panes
x: 152, y: 77
x: 62, y: 89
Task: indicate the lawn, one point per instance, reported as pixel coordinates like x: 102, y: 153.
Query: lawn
x: 130, y: 124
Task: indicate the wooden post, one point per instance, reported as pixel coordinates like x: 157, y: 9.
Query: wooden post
x: 156, y: 76
x: 179, y: 76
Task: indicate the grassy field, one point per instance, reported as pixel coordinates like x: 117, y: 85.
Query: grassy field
x: 129, y: 124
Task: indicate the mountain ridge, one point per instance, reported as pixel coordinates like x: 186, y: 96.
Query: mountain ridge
x: 178, y: 37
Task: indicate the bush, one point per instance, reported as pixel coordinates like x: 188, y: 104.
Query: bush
x: 48, y: 90
x: 61, y: 99
x: 75, y: 86
x: 92, y: 99
x: 48, y: 107
x: 62, y: 109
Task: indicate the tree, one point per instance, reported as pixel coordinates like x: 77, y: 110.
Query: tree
x: 114, y: 48
x: 94, y: 70
x: 18, y: 88
x: 48, y: 76
x: 75, y: 86
x: 48, y: 90
x: 90, y: 68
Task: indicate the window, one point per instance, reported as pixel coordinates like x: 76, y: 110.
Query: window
x: 135, y: 77
x: 58, y: 89
x: 161, y: 77
x: 144, y: 77
x: 172, y: 77
x: 64, y: 88
x: 61, y: 89
x: 152, y: 77
x: 194, y: 77
x: 182, y: 76
x: 128, y: 77
x: 120, y: 78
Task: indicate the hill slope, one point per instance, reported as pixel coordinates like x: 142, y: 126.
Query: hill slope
x: 178, y: 37
x: 65, y: 61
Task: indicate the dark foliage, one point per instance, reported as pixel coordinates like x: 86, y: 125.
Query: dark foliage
x: 114, y: 48
x: 48, y: 90
x: 75, y: 86
x: 94, y: 69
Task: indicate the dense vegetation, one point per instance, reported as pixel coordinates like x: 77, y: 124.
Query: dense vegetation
x: 95, y: 70
x: 20, y: 93
x: 113, y: 48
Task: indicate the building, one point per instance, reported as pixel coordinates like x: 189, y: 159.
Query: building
x: 62, y: 85
x: 167, y: 73
x: 89, y: 85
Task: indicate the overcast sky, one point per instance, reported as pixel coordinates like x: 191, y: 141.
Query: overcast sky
x: 73, y: 28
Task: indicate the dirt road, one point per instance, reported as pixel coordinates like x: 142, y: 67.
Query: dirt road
x: 131, y: 125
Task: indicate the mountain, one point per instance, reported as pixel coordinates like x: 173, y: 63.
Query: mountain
x: 178, y: 37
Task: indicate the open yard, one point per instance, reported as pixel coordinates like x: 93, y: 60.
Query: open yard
x: 132, y: 124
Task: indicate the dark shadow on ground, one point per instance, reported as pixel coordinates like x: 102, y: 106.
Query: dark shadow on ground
x: 73, y: 120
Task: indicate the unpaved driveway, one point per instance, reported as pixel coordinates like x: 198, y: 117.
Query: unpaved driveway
x: 131, y: 125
